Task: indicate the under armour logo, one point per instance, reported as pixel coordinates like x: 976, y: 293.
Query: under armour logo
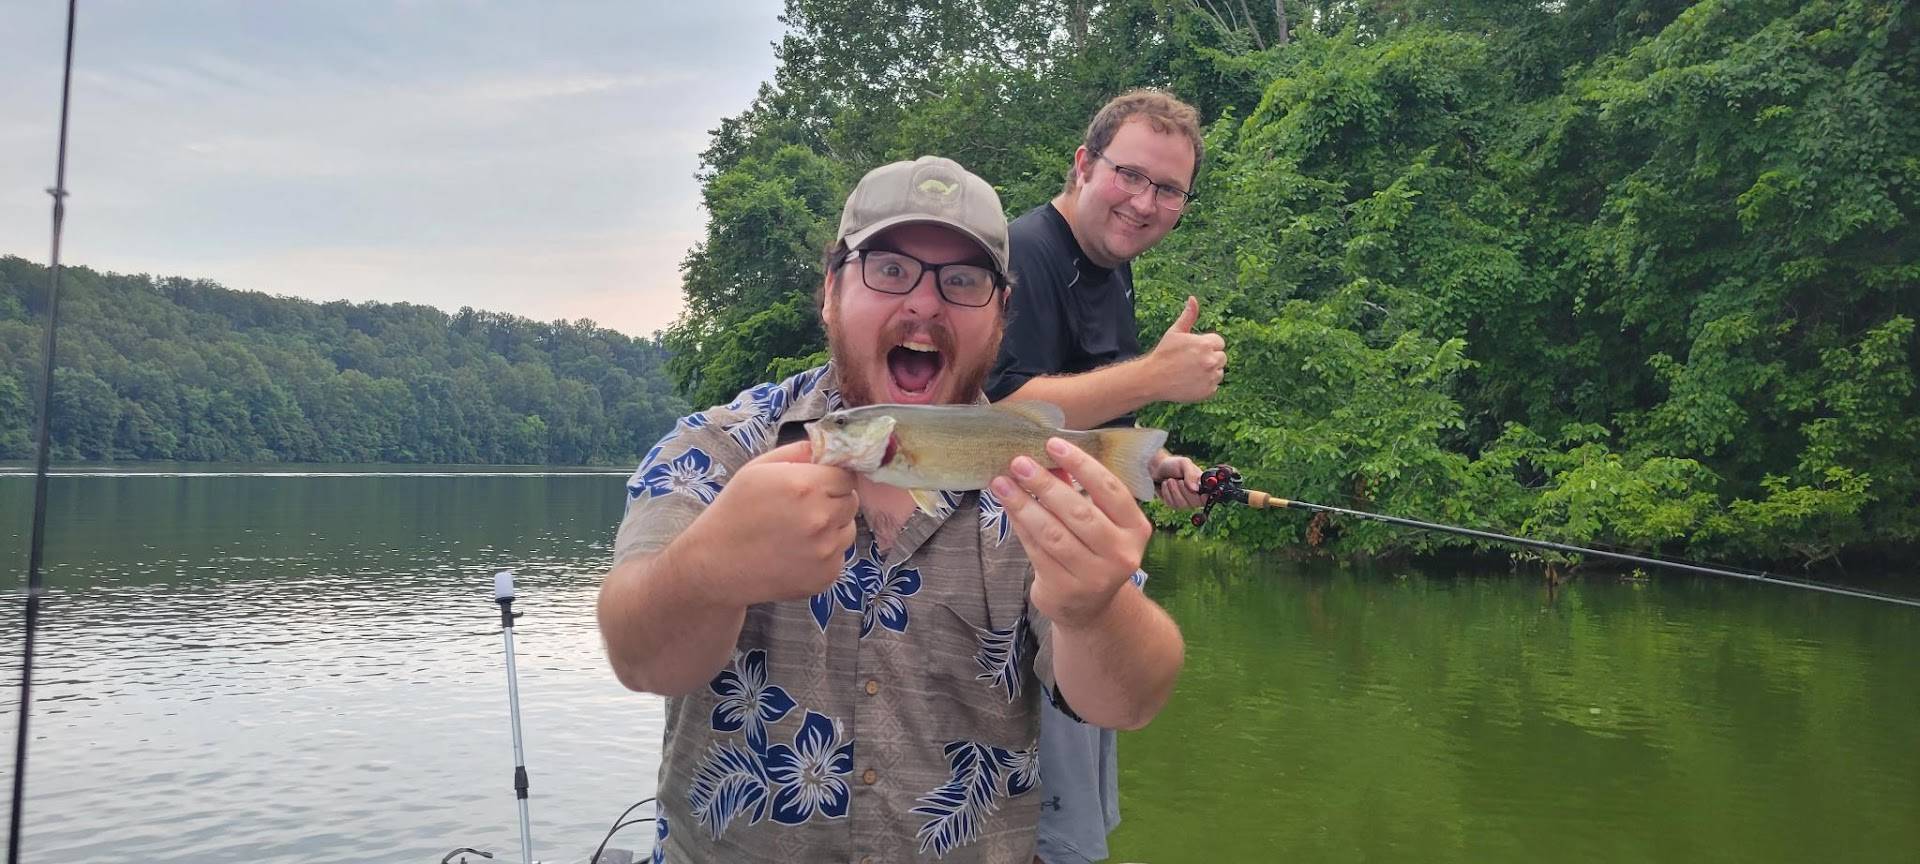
x: 1051, y: 803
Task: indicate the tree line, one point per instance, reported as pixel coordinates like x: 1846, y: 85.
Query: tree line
x: 1641, y: 272
x: 154, y: 368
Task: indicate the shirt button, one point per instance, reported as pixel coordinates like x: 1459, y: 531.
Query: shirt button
x: 869, y: 777
x: 873, y: 687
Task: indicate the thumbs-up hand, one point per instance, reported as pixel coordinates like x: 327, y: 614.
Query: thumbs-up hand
x: 1188, y: 365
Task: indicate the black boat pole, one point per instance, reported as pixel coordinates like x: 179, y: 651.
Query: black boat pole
x: 36, y: 584
x: 1222, y: 484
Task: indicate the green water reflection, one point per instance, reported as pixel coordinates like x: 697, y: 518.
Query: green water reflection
x: 1373, y: 715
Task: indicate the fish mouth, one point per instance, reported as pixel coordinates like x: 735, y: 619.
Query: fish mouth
x: 817, y: 442
x: 915, y: 368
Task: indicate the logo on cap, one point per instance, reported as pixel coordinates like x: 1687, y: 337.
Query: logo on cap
x: 936, y: 188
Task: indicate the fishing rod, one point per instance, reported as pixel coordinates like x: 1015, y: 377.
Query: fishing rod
x: 36, y: 582
x: 1221, y: 484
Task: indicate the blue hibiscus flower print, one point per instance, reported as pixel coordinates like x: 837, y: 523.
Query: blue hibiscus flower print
x: 887, y: 606
x: 804, y: 383
x: 747, y: 701
x: 811, y: 776
x: 859, y: 579
x: 691, y: 473
x: 637, y: 484
x: 659, y: 834
x: 763, y: 406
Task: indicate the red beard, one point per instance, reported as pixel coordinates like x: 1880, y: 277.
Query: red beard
x: 962, y: 380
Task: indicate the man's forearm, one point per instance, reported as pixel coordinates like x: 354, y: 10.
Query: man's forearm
x: 1118, y: 671
x: 1092, y: 398
x: 666, y: 631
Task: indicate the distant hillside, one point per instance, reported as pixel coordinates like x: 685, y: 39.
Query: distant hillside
x: 159, y: 368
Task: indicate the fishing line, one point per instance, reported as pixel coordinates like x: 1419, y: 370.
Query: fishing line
x: 1222, y: 484
x: 35, y: 582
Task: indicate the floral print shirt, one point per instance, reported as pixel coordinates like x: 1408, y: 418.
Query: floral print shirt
x: 893, y: 717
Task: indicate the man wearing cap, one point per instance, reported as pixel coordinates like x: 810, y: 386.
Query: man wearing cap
x: 1071, y: 340
x: 849, y: 678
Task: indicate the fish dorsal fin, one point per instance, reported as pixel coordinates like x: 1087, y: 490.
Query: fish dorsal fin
x: 1045, y: 414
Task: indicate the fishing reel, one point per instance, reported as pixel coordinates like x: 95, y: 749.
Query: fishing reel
x: 1219, y: 483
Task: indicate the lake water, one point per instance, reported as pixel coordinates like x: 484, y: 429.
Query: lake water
x: 307, y: 667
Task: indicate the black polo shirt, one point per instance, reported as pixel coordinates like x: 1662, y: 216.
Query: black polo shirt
x: 1068, y: 315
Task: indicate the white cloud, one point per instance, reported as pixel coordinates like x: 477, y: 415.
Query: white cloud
x: 536, y: 88
x: 536, y: 160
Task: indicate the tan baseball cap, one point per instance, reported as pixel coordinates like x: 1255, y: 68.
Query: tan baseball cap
x: 929, y: 190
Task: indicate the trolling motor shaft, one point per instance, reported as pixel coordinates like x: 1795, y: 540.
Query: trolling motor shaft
x: 503, y: 595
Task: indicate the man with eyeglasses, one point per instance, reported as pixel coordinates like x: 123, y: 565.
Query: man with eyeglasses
x: 850, y: 678
x: 1072, y: 340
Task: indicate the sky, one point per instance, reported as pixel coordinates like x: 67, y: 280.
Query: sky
x: 535, y: 158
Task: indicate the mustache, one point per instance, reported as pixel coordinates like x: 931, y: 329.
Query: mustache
x: 937, y: 332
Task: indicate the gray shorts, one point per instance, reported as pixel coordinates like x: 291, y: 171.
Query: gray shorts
x: 1079, y: 788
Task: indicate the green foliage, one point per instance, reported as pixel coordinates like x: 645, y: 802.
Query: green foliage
x: 1640, y: 272
x: 183, y: 370
x: 16, y: 415
x: 750, y: 285
x: 984, y: 82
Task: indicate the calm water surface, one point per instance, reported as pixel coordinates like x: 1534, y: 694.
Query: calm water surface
x: 306, y: 667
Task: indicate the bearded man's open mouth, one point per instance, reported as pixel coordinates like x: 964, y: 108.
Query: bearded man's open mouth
x: 915, y: 366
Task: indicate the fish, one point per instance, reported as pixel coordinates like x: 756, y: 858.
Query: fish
x: 928, y: 449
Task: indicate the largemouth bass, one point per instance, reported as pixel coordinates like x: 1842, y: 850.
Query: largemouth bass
x: 930, y: 448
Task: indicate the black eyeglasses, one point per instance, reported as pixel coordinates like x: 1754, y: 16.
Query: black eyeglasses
x: 1133, y: 182
x: 897, y: 272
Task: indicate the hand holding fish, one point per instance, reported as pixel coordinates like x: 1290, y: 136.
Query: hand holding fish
x: 1083, y: 547
x: 780, y: 528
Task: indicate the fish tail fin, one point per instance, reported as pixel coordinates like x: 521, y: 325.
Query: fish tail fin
x: 1129, y: 453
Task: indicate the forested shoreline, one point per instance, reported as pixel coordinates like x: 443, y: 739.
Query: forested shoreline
x: 1642, y: 273
x: 168, y: 368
